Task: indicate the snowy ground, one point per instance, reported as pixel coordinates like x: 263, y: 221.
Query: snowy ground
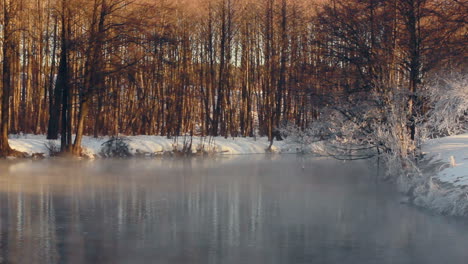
x: 445, y: 185
x: 154, y: 145
x: 453, y: 151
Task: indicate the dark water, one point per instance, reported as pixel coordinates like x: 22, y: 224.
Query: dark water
x: 247, y: 210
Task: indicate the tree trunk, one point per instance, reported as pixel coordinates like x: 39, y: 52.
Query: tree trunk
x: 5, y: 149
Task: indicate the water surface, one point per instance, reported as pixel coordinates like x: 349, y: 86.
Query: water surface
x: 252, y: 209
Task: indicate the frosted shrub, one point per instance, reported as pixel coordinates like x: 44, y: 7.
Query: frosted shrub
x: 206, y: 146
x: 310, y: 139
x: 361, y: 126
x: 448, y: 114
x: 183, y: 148
x: 116, y: 147
x: 53, y: 148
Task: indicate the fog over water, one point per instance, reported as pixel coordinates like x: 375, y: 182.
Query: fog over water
x: 248, y: 209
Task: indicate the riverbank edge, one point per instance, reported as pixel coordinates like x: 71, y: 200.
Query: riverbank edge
x: 426, y: 189
x: 38, y: 147
x: 441, y: 197
x: 441, y: 184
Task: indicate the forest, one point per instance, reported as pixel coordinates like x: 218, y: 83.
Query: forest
x: 232, y: 68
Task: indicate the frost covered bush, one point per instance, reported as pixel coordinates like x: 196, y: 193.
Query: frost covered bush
x: 53, y: 148
x: 116, y: 147
x: 304, y: 139
x: 186, y: 147
x: 365, y: 124
x: 182, y: 149
x: 442, y: 197
x: 361, y: 126
x: 448, y: 113
x: 206, y: 146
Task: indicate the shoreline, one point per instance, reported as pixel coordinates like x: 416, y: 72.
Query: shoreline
x: 443, y: 184
x: 37, y: 146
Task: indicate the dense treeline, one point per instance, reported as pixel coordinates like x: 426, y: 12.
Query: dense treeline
x: 212, y: 67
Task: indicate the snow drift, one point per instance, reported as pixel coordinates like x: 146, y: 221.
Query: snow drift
x: 152, y: 145
x: 443, y: 186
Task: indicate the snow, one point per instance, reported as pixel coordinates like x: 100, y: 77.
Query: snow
x: 453, y: 153
x: 443, y: 186
x: 29, y: 144
x: 150, y: 145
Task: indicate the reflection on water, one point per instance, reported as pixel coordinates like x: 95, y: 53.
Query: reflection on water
x: 250, y: 210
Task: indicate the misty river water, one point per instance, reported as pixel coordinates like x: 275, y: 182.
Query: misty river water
x: 247, y: 209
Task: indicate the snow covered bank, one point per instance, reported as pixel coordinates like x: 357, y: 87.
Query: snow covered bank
x: 444, y: 187
x: 152, y: 145
x: 453, y: 151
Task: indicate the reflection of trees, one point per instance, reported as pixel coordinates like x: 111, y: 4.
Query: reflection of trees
x: 197, y: 214
x: 28, y: 230
x: 51, y: 218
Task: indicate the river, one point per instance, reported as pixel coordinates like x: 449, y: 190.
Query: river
x: 245, y: 209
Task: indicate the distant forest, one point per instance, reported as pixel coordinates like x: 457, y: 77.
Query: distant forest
x: 212, y: 67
